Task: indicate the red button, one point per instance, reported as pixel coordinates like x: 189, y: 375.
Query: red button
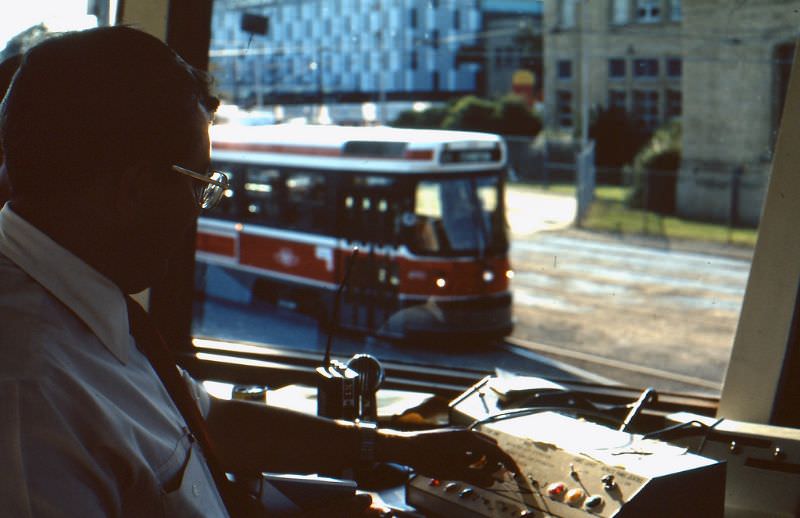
x: 556, y: 489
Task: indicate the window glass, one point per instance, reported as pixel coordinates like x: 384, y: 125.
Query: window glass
x: 617, y: 99
x: 619, y: 14
x: 456, y: 216
x: 645, y: 68
x: 263, y: 193
x: 564, y: 108
x: 306, y: 206
x: 645, y: 104
x: 568, y: 12
x: 675, y: 10
x: 565, y: 69
x: 648, y: 11
x: 674, y: 67
x: 616, y: 68
x: 647, y: 121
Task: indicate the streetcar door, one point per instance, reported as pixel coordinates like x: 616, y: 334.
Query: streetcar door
x: 370, y: 205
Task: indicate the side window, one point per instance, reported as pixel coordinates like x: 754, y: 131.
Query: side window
x: 306, y: 206
x: 370, y: 208
x: 262, y: 188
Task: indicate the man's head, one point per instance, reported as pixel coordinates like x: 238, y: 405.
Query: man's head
x: 7, y: 69
x: 91, y: 126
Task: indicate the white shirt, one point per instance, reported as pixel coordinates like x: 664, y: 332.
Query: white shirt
x: 86, y: 427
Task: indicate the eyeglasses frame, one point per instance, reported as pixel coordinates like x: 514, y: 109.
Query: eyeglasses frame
x: 205, y: 178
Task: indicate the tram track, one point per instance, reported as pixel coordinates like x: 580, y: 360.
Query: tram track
x: 558, y: 353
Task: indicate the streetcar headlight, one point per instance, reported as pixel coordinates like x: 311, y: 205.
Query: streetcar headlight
x: 440, y: 282
x: 509, y: 274
x: 488, y: 276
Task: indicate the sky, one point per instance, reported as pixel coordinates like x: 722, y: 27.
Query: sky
x: 18, y: 15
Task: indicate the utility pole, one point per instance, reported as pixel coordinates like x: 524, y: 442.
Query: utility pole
x: 584, y: 73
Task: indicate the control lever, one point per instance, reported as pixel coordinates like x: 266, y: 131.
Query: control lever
x: 370, y: 377
x: 649, y: 395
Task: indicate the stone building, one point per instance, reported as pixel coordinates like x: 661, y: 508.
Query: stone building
x: 720, y: 65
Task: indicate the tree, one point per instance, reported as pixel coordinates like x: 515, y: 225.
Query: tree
x: 617, y: 139
x: 515, y: 118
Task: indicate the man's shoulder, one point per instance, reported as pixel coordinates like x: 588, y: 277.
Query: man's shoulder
x: 31, y: 319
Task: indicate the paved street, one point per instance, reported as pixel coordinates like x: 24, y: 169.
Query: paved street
x: 660, y: 308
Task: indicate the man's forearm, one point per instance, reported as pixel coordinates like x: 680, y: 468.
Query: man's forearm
x: 257, y: 437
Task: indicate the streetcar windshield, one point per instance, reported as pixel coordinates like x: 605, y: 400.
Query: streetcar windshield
x: 455, y: 216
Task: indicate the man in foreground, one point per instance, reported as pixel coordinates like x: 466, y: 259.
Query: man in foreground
x: 105, y: 139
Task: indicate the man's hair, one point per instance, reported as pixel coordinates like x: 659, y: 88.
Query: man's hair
x: 92, y: 102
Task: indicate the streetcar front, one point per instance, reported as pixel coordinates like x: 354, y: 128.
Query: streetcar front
x: 453, y: 269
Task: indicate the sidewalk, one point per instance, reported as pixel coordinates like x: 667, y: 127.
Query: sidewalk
x: 529, y: 211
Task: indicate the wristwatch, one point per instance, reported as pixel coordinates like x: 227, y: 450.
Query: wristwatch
x: 367, y: 436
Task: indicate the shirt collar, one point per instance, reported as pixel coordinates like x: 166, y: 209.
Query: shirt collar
x: 97, y: 301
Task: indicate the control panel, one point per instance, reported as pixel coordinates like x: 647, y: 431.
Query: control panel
x: 571, y: 467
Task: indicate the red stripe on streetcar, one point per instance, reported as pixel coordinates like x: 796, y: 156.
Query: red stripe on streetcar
x: 277, y: 148
x: 418, y: 154
x: 215, y: 244
x: 289, y: 257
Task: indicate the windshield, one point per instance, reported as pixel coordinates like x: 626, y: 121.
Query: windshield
x: 612, y: 243
x: 458, y: 216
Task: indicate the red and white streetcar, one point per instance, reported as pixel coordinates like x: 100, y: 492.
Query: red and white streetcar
x: 424, y: 208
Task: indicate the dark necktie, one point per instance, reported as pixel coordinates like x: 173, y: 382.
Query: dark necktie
x: 152, y: 344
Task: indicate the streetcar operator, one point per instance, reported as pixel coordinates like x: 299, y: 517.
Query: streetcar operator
x: 91, y: 129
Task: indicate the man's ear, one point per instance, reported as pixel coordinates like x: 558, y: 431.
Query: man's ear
x: 133, y: 190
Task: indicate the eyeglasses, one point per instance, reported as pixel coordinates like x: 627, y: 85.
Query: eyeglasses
x: 211, y: 190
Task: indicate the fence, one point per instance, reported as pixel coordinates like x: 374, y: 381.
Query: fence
x: 624, y: 201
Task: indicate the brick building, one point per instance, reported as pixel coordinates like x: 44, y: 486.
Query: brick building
x: 719, y: 65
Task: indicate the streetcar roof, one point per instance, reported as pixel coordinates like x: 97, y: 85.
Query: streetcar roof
x: 338, y: 136
x: 377, y: 149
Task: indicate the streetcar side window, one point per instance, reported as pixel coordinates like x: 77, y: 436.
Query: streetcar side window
x: 306, y: 206
x: 262, y: 188
x: 370, y: 206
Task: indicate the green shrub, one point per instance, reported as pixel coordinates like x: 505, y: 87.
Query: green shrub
x: 506, y: 116
x: 655, y: 170
x: 430, y: 118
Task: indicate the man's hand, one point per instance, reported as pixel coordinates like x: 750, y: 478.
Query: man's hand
x: 456, y: 454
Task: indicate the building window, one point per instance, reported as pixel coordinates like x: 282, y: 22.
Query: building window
x: 616, y: 68
x: 674, y: 67
x: 617, y: 99
x: 414, y: 60
x: 645, y: 68
x: 648, y: 11
x: 675, y: 12
x: 568, y: 11
x: 412, y: 18
x: 456, y: 20
x: 564, y: 108
x: 645, y: 108
x: 564, y: 67
x: 674, y: 106
x: 619, y: 12
x: 435, y: 38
